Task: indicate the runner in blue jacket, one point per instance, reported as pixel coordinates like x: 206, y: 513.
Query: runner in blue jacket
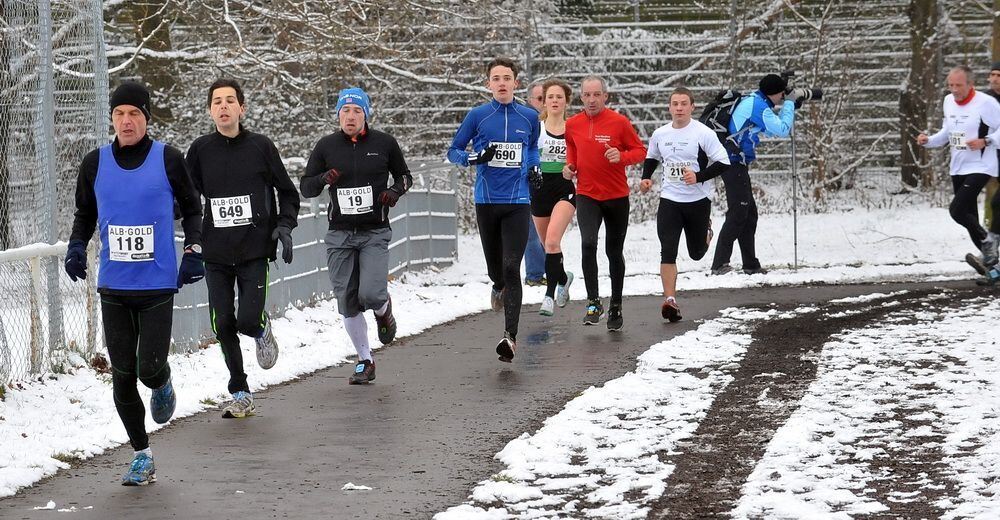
x: 504, y: 136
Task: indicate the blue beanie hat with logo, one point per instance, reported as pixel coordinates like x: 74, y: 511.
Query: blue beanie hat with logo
x: 354, y: 96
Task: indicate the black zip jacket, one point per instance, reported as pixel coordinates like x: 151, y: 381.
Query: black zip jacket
x: 130, y: 158
x: 365, y: 161
x: 246, y: 165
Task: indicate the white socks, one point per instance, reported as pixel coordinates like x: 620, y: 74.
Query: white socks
x: 357, y: 329
x: 381, y: 311
x: 148, y: 451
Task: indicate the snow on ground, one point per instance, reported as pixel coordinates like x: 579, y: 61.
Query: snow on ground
x: 924, y: 384
x: 61, y: 417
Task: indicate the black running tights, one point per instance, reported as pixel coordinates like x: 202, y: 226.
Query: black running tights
x: 589, y: 215
x: 503, y: 229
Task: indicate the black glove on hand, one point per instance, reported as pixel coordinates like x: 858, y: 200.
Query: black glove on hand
x: 484, y: 156
x: 331, y: 176
x: 284, y: 234
x: 389, y: 197
x: 535, y: 177
x: 192, y: 268
x: 76, y: 260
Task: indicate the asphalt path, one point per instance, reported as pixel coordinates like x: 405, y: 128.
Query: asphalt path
x: 421, y: 436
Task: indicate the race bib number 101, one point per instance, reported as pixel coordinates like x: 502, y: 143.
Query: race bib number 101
x: 957, y: 140
x: 508, y: 155
x: 231, y: 211
x: 130, y: 243
x: 355, y: 201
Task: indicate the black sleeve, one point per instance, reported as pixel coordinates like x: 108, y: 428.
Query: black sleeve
x: 312, y: 183
x: 397, y: 167
x: 288, y: 197
x: 717, y: 168
x: 184, y: 193
x: 85, y: 218
x: 194, y: 167
x: 649, y: 167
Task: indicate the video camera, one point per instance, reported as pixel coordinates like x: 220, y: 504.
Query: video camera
x: 799, y: 94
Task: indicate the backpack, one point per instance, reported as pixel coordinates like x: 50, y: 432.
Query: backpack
x: 719, y: 112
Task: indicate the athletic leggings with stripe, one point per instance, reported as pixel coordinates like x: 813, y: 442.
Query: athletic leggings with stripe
x: 137, y: 333
x: 503, y: 229
x: 250, y: 278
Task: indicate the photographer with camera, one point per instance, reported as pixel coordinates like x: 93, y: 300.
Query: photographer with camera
x: 753, y: 114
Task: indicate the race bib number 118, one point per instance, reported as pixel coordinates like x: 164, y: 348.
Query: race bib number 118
x: 130, y: 243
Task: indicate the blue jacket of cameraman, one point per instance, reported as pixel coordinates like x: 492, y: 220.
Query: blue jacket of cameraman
x: 753, y: 115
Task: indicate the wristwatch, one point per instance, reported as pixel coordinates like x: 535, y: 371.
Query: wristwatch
x: 194, y: 248
x: 988, y: 140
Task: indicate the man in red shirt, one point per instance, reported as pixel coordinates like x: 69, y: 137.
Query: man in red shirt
x: 600, y: 143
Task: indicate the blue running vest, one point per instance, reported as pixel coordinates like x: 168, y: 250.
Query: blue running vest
x: 135, y: 211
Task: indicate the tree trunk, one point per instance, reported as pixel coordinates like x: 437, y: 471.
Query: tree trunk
x: 147, y: 17
x: 919, y: 92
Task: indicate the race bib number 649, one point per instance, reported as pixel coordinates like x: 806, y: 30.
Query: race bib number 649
x: 130, y: 243
x: 231, y: 211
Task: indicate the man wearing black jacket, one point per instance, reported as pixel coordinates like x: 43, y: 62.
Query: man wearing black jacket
x: 127, y: 190
x: 356, y: 163
x: 238, y: 172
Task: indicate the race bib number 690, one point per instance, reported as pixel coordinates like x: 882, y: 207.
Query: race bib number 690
x: 130, y: 243
x: 508, y: 155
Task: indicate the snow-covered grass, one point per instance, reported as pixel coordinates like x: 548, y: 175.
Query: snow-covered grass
x: 58, y: 418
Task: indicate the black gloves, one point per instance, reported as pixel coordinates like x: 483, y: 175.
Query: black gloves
x: 76, y: 260
x: 331, y: 176
x: 284, y: 234
x: 389, y: 197
x: 535, y: 177
x: 192, y: 268
x: 484, y: 156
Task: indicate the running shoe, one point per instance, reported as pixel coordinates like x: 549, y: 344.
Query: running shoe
x: 364, y: 372
x: 541, y: 282
x: 562, y: 290
x: 989, y: 250
x: 615, y: 319
x: 754, y: 270
x: 976, y: 263
x: 670, y: 310
x: 267, y: 347
x: 496, y: 300
x: 506, y: 348
x: 386, y: 324
x: 723, y: 269
x: 140, y: 472
x: 242, y: 406
x: 594, y: 312
x: 548, y: 306
x: 163, y: 402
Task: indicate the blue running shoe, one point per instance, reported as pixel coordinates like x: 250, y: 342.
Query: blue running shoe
x: 140, y: 472
x: 162, y: 405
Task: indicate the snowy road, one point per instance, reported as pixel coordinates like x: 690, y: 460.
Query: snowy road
x: 426, y: 433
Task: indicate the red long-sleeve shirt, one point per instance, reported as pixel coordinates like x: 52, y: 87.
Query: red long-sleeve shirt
x: 586, y: 138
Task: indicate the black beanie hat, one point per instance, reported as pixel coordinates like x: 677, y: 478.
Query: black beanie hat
x: 995, y: 66
x: 131, y: 93
x: 772, y: 84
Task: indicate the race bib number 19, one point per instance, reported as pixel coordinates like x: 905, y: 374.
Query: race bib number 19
x: 957, y: 140
x: 674, y: 172
x: 355, y: 201
x: 508, y: 156
x: 231, y: 211
x: 130, y: 243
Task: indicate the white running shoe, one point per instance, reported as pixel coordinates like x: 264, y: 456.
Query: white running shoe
x: 562, y: 291
x: 548, y: 306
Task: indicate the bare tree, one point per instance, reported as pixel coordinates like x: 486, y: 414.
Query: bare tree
x: 918, y: 91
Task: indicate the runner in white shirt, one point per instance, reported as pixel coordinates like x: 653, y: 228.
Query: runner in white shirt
x: 685, y: 147
x: 971, y: 129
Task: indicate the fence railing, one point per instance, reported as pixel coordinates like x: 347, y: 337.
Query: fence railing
x: 44, y: 324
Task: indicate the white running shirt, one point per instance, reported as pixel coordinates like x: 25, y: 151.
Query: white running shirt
x: 675, y: 148
x: 961, y: 124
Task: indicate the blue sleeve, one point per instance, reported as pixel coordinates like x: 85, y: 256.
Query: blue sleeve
x: 456, y: 153
x: 534, y: 156
x: 779, y: 125
x: 741, y: 114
